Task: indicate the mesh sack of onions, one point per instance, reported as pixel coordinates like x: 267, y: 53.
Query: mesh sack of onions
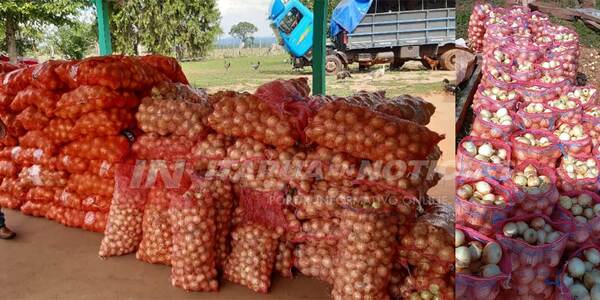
x: 37, y: 175
x: 44, y: 76
x: 397, y: 278
x: 86, y: 99
x: 476, y: 27
x: 38, y: 140
x: 428, y: 245
x: 154, y: 146
x: 478, y: 158
x: 596, y: 151
x: 567, y: 110
x: 193, y: 258
x: 267, y: 208
x: 536, y: 116
x: 13, y: 129
x: 591, y: 123
x: 59, y: 130
x: 40, y: 194
x: 326, y: 230
x: 537, y: 20
x: 535, y: 245
x: 96, y: 203
x: 578, y: 172
x: 408, y: 108
x: 364, y: 255
x: 582, y: 208
x: 32, y: 119
x: 166, y: 65
x: 87, y: 184
x: 284, y: 259
x: 212, y: 148
x: 493, y: 123
x: 480, y: 204
x: 422, y: 287
x: 44, y: 100
x: 13, y: 187
x: 124, y: 225
x: 5, y: 99
x: 586, y: 95
x: 8, y: 169
x: 6, y: 67
x: 222, y: 192
x: 254, y: 249
x: 533, y: 188
x: 94, y: 221
x: 539, y: 145
x: 156, y: 244
x: 481, y: 273
x: 315, y: 259
x: 523, y: 52
x: 8, y: 201
x: 536, y: 91
x: 174, y: 109
x: 116, y: 72
x: 573, y: 139
x: 579, y: 275
x: 109, y: 148
x: 17, y: 80
x: 31, y: 156
x: 103, y: 123
x: 246, y: 115
x: 34, y: 209
x: 69, y: 199
x: 370, y: 135
x: 69, y: 217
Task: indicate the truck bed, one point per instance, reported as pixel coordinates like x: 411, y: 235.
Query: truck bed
x: 395, y: 29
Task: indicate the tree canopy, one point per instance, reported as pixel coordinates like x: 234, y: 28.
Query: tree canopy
x: 169, y: 27
x: 244, y: 31
x: 15, y: 15
x: 73, y: 40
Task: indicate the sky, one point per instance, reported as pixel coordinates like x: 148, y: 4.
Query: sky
x: 253, y: 11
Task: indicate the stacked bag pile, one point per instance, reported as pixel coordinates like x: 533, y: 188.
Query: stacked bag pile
x: 67, y: 131
x: 528, y: 174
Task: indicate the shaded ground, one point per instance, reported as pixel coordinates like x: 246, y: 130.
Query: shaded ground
x: 589, y: 64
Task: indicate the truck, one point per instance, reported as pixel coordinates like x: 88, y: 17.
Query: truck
x: 370, y: 32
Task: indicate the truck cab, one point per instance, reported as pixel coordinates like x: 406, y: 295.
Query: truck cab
x: 292, y: 23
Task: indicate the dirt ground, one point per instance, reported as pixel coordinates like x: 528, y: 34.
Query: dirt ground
x: 589, y: 64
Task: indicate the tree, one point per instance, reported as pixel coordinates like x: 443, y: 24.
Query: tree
x: 73, y: 40
x: 14, y: 14
x: 169, y: 27
x: 243, y: 31
x: 330, y: 7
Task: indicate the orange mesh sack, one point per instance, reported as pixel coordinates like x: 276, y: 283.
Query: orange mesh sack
x: 222, y: 192
x: 86, y: 99
x: 315, y: 259
x: 109, y: 148
x: 8, y: 169
x: 32, y: 156
x: 59, y: 130
x: 104, y: 122
x: 87, y: 184
x: 45, y: 76
x: 124, y: 225
x: 156, y: 244
x: 116, y: 73
x: 94, y: 221
x: 193, y: 224
x: 252, y: 257
x: 370, y: 135
x: 40, y: 194
x: 37, y: 175
x: 153, y: 146
x: 16, y: 81
x: 37, y: 139
x: 8, y: 201
x: 284, y: 259
x: 212, y: 148
x: 166, y: 65
x: 32, y: 119
x: 174, y: 109
x: 44, y: 100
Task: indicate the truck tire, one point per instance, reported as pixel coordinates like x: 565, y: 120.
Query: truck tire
x: 448, y: 59
x: 333, y: 64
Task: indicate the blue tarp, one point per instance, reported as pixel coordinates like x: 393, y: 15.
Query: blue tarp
x: 348, y: 14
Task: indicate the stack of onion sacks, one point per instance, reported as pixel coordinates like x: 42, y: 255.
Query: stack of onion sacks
x: 157, y: 240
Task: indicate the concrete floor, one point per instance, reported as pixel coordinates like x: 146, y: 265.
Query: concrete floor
x: 49, y: 261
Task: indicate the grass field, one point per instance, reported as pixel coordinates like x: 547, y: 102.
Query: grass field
x: 211, y: 74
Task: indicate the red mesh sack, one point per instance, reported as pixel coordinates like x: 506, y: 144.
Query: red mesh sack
x: 591, y: 123
x: 582, y: 145
x: 44, y: 100
x: 59, y: 130
x: 5, y: 99
x: 166, y: 65
x: 585, y: 230
x: 116, y: 73
x: 568, y: 181
x: 86, y: 99
x: 87, y: 184
x: 44, y: 76
x: 37, y: 175
x: 586, y: 95
x: 109, y: 148
x: 6, y: 67
x: 490, y: 130
x: 13, y: 129
x: 34, y: 209
x: 124, y: 225
x: 482, y: 217
x: 408, y: 108
x: 416, y: 285
x: 254, y: 249
x: 43, y: 194
x: 157, y: 240
x: 533, y: 265
x: 475, y: 287
x: 365, y: 237
x: 8, y: 201
x: 566, y: 115
x: 537, y: 92
x: 32, y: 119
x: 540, y: 120
x: 284, y: 259
x: 102, y: 123
x: 17, y: 80
x: 563, y: 288
x: 533, y: 201
x: 325, y: 230
x: 495, y: 97
x: 153, y: 146
x: 476, y: 27
x: 468, y: 166
x: 12, y: 187
x: 8, y: 169
x: 68, y: 199
x: 63, y: 71
x: 31, y: 156
x: 96, y: 203
x: 370, y: 135
x: 315, y: 259
x: 94, y: 221
x: 38, y: 140
x: 174, y: 109
x: 222, y: 192
x: 70, y: 217
x: 545, y: 155
x: 266, y: 208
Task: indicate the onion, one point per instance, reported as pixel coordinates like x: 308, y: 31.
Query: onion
x: 576, y: 267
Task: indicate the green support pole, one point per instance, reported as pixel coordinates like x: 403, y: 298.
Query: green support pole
x: 319, y: 47
x: 103, y: 13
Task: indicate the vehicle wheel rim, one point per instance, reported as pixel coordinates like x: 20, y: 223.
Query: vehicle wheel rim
x: 330, y: 66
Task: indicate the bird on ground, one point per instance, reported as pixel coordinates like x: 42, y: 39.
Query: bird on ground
x: 378, y: 73
x: 227, y: 65
x: 449, y: 87
x: 343, y: 75
x: 256, y: 66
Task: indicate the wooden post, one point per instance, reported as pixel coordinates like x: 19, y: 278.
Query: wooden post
x: 103, y: 15
x: 319, y: 50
